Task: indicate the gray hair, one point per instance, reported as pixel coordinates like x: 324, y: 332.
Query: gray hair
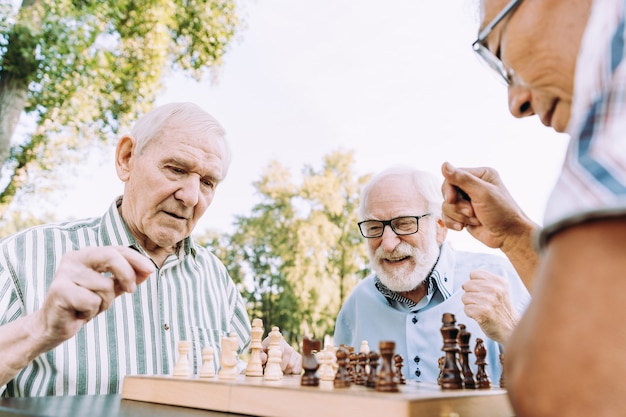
x: 425, y: 184
x: 179, y: 116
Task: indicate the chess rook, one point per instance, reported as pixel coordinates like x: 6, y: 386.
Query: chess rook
x: 386, y: 380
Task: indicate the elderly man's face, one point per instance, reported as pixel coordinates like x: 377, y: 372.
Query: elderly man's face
x: 538, y: 42
x: 169, y: 185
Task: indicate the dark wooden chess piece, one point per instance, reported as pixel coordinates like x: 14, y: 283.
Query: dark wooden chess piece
x: 502, y: 383
x: 310, y: 363
x: 465, y: 350
x: 342, y: 378
x: 440, y: 363
x: 482, y: 379
x: 451, y: 375
x: 399, y: 363
x: 361, y: 368
x: 373, y: 364
x: 352, y: 365
x: 386, y: 381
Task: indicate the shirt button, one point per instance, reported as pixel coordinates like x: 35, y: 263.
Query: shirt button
x: 166, y: 326
x: 416, y: 359
x: 418, y: 373
x: 414, y: 319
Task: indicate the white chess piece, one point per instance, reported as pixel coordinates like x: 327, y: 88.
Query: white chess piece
x: 255, y: 366
x: 273, y: 370
x: 325, y: 357
x: 208, y: 363
x: 228, y: 358
x: 182, y: 367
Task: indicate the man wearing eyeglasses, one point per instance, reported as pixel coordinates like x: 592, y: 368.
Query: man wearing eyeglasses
x: 564, y: 61
x: 417, y: 277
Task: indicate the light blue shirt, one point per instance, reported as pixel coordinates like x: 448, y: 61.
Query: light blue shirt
x: 370, y: 315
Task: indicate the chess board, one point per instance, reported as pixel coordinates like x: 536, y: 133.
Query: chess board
x: 286, y: 398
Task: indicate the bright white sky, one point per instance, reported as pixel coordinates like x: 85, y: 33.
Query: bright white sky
x: 395, y: 81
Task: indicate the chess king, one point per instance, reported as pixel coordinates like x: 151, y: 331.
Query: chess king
x: 417, y: 277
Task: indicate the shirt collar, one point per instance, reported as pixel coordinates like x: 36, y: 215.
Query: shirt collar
x: 439, y: 280
x: 114, y: 232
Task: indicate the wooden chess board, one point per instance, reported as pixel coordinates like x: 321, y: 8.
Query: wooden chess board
x: 286, y: 398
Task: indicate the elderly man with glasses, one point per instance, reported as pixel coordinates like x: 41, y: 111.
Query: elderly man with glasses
x: 417, y: 277
x: 564, y: 61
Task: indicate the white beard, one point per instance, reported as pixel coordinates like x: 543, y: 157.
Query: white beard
x: 407, y: 277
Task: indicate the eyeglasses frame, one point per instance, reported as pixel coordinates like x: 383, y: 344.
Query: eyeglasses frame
x: 388, y: 223
x: 485, y: 54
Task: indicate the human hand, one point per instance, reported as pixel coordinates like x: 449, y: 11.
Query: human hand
x: 84, y: 285
x: 291, y: 360
x: 492, y: 216
x: 488, y: 301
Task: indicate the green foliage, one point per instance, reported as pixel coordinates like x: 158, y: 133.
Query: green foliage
x: 89, y: 68
x: 299, y: 253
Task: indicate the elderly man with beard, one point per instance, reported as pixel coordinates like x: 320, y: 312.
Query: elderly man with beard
x: 417, y: 277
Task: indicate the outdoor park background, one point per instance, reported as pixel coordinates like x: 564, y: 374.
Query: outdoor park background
x: 396, y: 82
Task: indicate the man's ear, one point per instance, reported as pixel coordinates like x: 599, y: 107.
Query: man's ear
x: 123, y: 154
x: 442, y: 231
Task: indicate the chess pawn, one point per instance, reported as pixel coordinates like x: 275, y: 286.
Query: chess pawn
x: 502, y: 383
x: 365, y: 348
x: 482, y: 379
x: 182, y: 367
x: 326, y: 370
x: 372, y: 376
x: 386, y: 381
x: 255, y: 365
x: 361, y: 369
x: 208, y: 363
x: 310, y: 363
x: 464, y: 352
x: 228, y: 358
x: 273, y: 370
x: 399, y: 363
x: 342, y: 377
x: 451, y: 374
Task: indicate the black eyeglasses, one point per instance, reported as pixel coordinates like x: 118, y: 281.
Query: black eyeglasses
x: 483, y: 52
x: 402, y: 226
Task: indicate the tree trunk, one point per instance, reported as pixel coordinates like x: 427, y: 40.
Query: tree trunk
x: 13, y: 99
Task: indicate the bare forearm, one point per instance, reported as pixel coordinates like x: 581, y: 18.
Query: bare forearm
x: 566, y: 355
x: 519, y: 248
x: 18, y: 347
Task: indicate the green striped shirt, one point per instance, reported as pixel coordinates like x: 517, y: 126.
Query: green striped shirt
x: 191, y: 297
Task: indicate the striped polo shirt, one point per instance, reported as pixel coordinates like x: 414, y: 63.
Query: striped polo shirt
x: 592, y: 183
x: 191, y: 297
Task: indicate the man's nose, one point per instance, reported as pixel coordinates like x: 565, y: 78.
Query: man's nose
x: 520, y: 103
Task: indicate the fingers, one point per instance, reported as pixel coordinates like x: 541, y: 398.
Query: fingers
x: 86, y: 283
x: 292, y: 360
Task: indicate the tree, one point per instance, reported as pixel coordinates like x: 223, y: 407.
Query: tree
x: 299, y: 253
x: 83, y: 69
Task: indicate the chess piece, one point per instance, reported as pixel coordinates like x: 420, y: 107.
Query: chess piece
x: 451, y: 375
x: 386, y: 381
x: 464, y: 349
x: 482, y: 379
x: 360, y: 377
x: 372, y: 377
x: 352, y: 365
x: 399, y: 363
x: 365, y: 348
x: 342, y: 377
x: 440, y: 363
x: 310, y: 363
x: 228, y: 358
x: 255, y: 366
x: 273, y: 370
x: 182, y: 367
x: 502, y: 383
x: 326, y: 370
x: 208, y: 363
